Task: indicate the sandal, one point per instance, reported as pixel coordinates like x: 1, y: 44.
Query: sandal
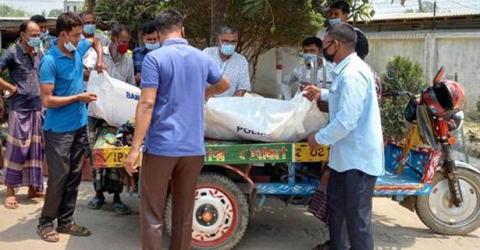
x: 96, y: 203
x: 11, y: 202
x: 73, y: 229
x: 121, y: 208
x: 48, y: 233
x: 35, y: 194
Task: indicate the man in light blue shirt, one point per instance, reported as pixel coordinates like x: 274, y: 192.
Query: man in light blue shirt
x: 354, y: 135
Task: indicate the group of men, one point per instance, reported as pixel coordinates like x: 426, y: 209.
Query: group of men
x: 172, y: 76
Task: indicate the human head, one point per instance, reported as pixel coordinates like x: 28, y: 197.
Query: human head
x: 69, y: 29
x: 149, y: 35
x: 338, y: 12
x: 42, y: 23
x: 362, y: 45
x: 88, y: 23
x: 120, y: 38
x: 29, y: 32
x: 227, y: 40
x: 169, y: 24
x: 339, y: 42
x: 313, y: 45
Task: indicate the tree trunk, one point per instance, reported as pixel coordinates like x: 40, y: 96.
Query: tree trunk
x: 219, y: 18
x: 90, y: 5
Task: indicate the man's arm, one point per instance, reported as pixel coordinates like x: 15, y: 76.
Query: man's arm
x: 244, y: 81
x: 51, y: 101
x: 6, y: 85
x: 101, y: 65
x: 218, y: 88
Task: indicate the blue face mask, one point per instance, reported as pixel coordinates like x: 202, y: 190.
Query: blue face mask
x: 89, y: 28
x: 70, y: 47
x: 43, y: 35
x: 310, y: 56
x: 152, y: 46
x: 334, y: 21
x: 33, y: 42
x: 227, y: 50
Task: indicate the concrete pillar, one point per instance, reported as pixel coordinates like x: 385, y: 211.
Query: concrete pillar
x: 431, y: 56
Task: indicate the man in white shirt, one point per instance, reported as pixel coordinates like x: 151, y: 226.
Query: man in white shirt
x: 311, y: 46
x: 233, y: 65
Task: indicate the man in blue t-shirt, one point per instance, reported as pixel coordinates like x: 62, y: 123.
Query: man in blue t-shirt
x: 65, y: 133
x: 171, y: 109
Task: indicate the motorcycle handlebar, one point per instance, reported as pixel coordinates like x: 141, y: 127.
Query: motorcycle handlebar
x: 397, y: 93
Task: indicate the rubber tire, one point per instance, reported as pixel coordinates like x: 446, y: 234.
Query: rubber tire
x: 227, y: 186
x: 423, y: 209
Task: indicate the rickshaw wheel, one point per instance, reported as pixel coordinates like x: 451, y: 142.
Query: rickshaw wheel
x: 439, y: 214
x: 220, y: 214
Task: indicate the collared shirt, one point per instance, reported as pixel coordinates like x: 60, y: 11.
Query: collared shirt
x: 139, y: 54
x: 66, y: 74
x: 354, y: 131
x: 235, y: 69
x: 180, y: 73
x: 24, y: 75
x: 297, y: 75
x: 90, y: 62
x: 46, y: 43
x: 121, y: 70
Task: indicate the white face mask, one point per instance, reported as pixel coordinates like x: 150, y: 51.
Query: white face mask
x: 70, y: 47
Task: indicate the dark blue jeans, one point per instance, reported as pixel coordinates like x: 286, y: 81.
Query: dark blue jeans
x: 349, y: 197
x: 65, y: 153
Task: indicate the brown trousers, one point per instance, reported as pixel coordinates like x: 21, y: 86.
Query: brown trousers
x: 155, y: 174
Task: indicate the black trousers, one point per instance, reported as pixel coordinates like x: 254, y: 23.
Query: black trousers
x: 349, y: 196
x: 65, y: 153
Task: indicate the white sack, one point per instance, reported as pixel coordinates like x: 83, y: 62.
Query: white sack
x: 116, y: 100
x: 262, y: 119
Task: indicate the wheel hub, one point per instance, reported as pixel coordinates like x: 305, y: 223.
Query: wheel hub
x: 213, y: 215
x: 443, y: 209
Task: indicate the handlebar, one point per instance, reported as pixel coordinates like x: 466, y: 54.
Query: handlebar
x: 397, y: 93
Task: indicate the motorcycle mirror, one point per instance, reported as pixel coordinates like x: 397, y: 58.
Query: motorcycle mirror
x: 438, y: 77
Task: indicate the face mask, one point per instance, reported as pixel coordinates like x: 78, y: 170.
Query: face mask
x: 122, y: 49
x: 43, y: 35
x: 334, y: 21
x: 89, y: 28
x: 227, y: 50
x: 69, y: 46
x: 310, y: 56
x: 33, y: 42
x: 152, y: 46
x: 326, y: 55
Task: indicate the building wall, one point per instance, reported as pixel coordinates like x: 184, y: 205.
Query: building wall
x: 458, y: 51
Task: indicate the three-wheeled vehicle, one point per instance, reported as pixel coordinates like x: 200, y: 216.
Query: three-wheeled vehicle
x: 420, y: 173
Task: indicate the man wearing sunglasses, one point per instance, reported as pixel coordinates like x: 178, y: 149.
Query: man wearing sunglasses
x: 354, y: 135
x: 233, y: 65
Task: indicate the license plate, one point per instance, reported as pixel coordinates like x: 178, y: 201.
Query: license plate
x: 111, y: 157
x: 303, y: 153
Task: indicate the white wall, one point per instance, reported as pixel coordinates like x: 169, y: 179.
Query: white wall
x: 458, y: 51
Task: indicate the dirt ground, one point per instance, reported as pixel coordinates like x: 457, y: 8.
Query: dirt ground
x: 274, y: 227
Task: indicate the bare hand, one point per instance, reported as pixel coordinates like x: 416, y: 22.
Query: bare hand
x: 207, y: 97
x: 87, y: 97
x: 131, y: 161
x: 311, y: 92
x: 101, y: 66
x: 312, y: 142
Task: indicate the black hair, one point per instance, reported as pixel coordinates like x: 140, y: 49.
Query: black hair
x: 38, y: 19
x: 84, y: 13
x: 168, y: 21
x: 344, y: 33
x: 118, y: 28
x: 342, y: 5
x: 361, y: 47
x: 148, y: 28
x: 312, y: 40
x: 24, y: 26
x: 67, y: 21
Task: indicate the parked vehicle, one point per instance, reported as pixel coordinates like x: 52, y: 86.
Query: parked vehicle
x: 419, y: 173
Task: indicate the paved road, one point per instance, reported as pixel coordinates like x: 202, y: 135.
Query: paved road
x: 275, y: 227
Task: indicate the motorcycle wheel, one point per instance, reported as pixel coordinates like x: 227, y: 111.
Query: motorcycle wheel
x: 220, y: 214
x: 439, y: 214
